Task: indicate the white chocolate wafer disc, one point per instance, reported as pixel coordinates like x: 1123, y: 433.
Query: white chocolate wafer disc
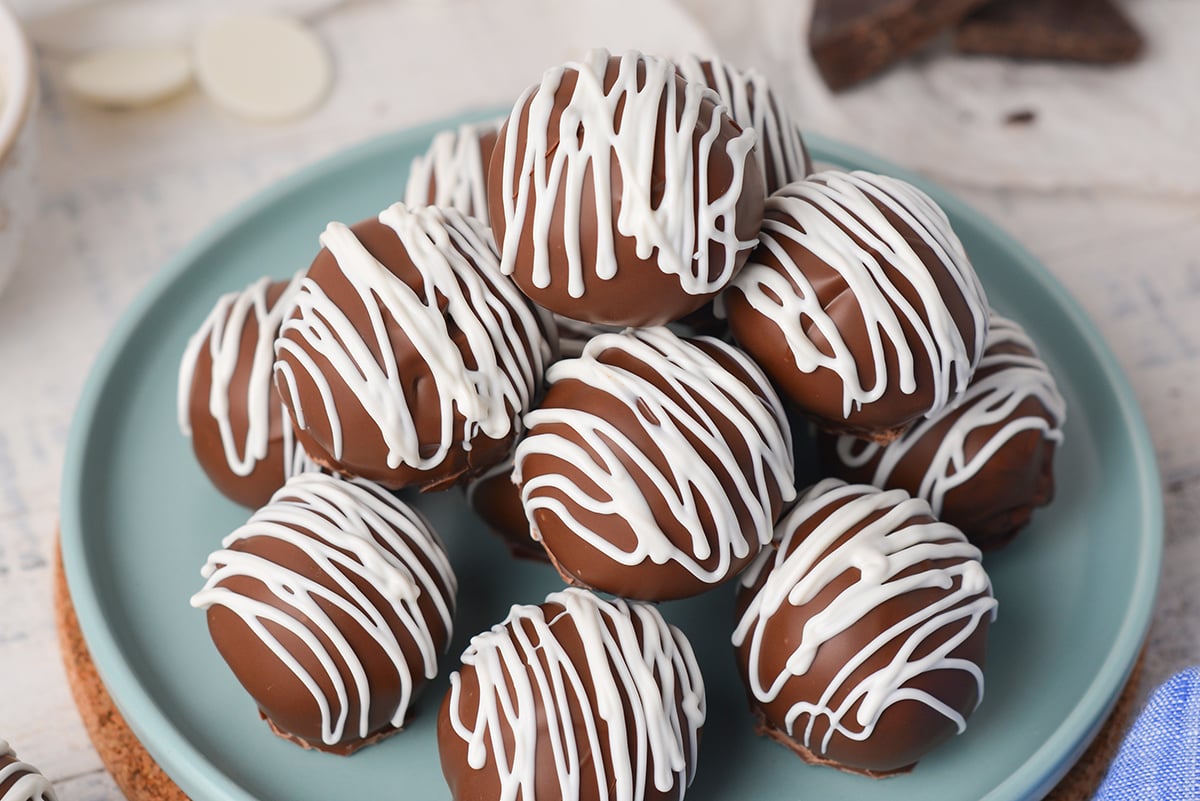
x: 128, y: 77
x: 262, y: 65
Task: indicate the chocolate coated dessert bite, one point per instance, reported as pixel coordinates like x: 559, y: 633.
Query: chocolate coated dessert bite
x: 497, y: 500
x: 331, y: 605
x: 655, y: 467
x: 861, y: 634
x: 408, y: 358
x: 985, y: 463
x: 20, y: 781
x: 227, y: 402
x: 453, y: 172
x: 860, y: 303
x: 748, y: 96
x: 579, y: 698
x: 620, y: 193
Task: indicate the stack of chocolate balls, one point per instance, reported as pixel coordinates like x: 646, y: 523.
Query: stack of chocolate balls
x: 600, y: 316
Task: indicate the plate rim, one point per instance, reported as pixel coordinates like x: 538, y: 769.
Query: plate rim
x: 184, y: 762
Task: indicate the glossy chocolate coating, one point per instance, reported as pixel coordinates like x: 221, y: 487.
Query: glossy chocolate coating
x: 640, y: 293
x: 568, y: 712
x: 254, y: 489
x: 364, y: 451
x: 996, y: 500
x: 782, y: 151
x: 283, y: 698
x: 497, y: 500
x: 819, y: 393
x: 584, y: 564
x: 908, y: 728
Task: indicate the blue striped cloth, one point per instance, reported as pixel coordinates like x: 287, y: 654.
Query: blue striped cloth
x: 1160, y: 758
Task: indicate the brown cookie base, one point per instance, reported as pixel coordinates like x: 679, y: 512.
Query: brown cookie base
x: 344, y: 749
x: 762, y: 728
x: 879, y: 437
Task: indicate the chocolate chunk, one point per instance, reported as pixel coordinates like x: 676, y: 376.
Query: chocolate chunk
x: 852, y: 40
x: 1024, y: 116
x: 1091, y: 31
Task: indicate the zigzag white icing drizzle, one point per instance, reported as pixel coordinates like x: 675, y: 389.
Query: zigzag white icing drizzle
x: 29, y: 784
x: 829, y: 214
x: 752, y: 104
x: 457, y: 260
x: 691, y: 476
x: 454, y: 165
x: 880, y: 551
x: 222, y: 333
x: 1002, y: 382
x: 650, y: 745
x: 350, y: 530
x: 685, y: 221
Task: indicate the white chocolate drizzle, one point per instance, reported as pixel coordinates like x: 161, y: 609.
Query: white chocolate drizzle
x: 645, y: 688
x: 752, y: 104
x: 879, y: 552
x: 588, y: 142
x: 28, y: 782
x: 221, y: 333
x: 351, y: 531
x: 1003, y: 382
x: 839, y: 218
x: 454, y: 169
x: 672, y: 406
x: 457, y: 261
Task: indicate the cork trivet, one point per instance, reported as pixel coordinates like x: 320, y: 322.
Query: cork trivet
x: 1081, y: 783
x: 141, y: 779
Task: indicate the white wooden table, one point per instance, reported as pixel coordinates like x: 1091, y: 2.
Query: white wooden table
x: 1103, y: 186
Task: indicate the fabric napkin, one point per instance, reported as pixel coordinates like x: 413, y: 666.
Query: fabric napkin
x: 1160, y: 757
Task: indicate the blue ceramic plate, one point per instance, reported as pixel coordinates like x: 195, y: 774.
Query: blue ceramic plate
x: 139, y: 518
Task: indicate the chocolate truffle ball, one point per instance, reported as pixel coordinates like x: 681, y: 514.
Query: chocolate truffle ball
x: 860, y: 303
x: 621, y: 193
x: 579, y: 698
x: 985, y: 463
x: 748, y: 97
x: 655, y: 466
x: 408, y: 358
x: 861, y: 635
x: 331, y: 606
x: 453, y: 172
x: 227, y: 402
x: 497, y: 500
x: 20, y: 781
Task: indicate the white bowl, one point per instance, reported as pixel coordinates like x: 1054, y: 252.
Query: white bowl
x: 18, y: 97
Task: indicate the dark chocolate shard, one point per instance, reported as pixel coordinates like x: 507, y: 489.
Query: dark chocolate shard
x: 1089, y: 31
x: 852, y: 40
